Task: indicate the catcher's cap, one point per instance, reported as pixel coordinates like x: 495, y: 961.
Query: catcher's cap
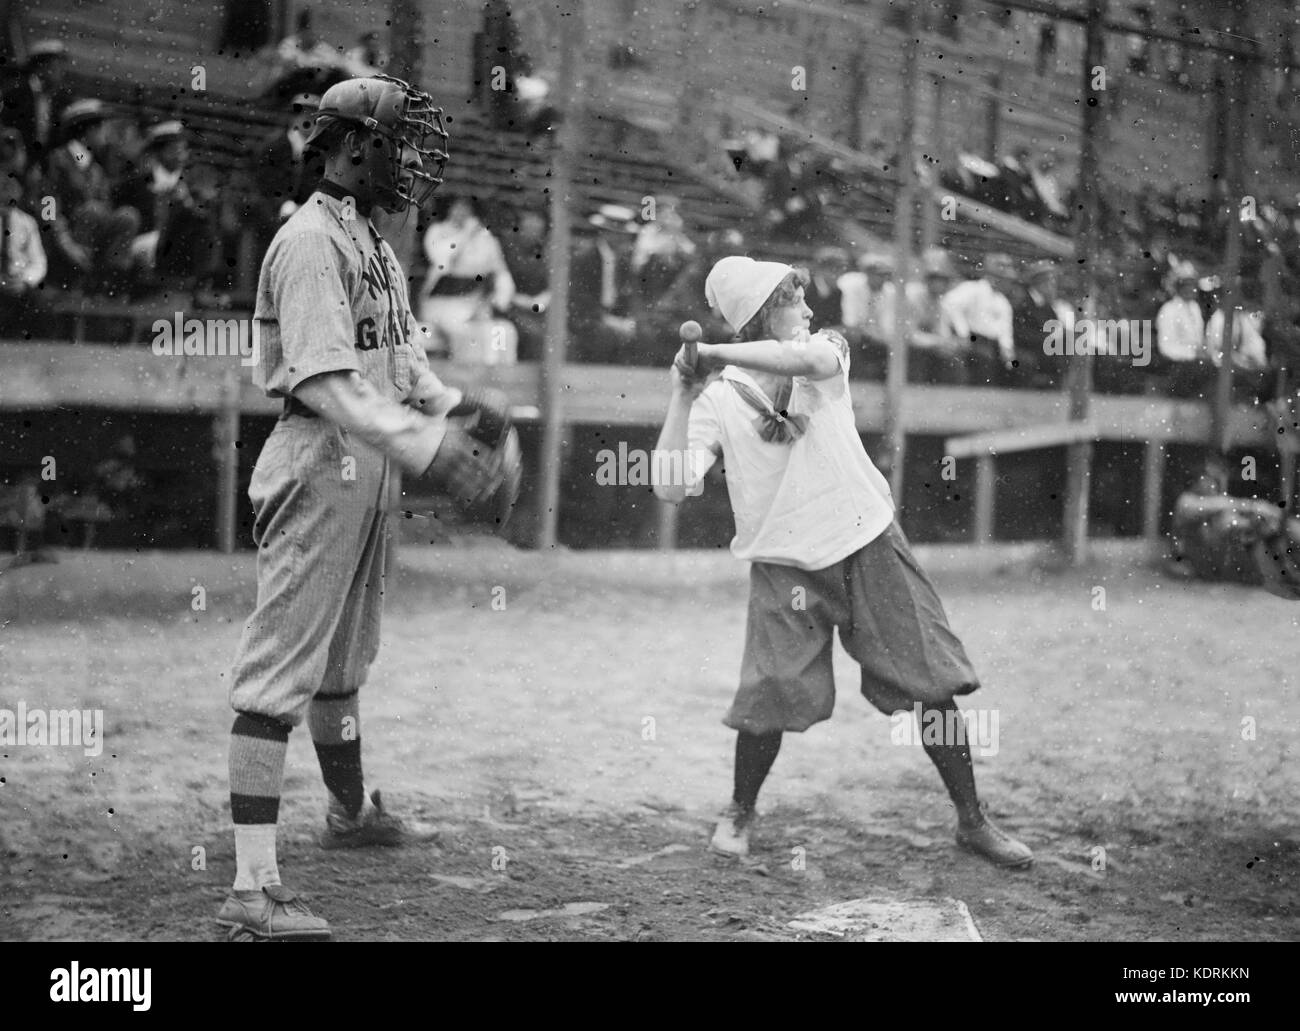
x: 395, y: 111
x: 163, y: 132
x: 82, y: 112
x: 376, y: 102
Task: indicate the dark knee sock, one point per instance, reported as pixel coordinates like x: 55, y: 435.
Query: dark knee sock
x: 951, y: 757
x: 335, y: 724
x: 755, y: 754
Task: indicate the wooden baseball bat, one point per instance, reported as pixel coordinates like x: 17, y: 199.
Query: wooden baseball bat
x: 690, y: 332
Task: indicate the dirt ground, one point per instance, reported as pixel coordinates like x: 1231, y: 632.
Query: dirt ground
x: 569, y: 749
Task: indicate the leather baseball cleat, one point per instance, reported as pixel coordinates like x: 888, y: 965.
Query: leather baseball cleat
x: 995, y: 845
x: 731, y: 836
x: 273, y: 913
x: 373, y: 827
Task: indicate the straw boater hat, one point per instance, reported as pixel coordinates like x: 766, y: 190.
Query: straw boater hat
x: 999, y: 265
x: 45, y: 50
x: 876, y: 261
x: 163, y: 132
x: 614, y: 218
x: 80, y: 113
x: 1046, y: 267
x: 737, y: 287
x: 935, y: 262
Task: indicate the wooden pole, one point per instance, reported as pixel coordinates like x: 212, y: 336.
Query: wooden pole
x: 407, y: 42
x: 929, y: 216
x: 904, y: 268
x: 985, y: 498
x: 568, y: 136
x: 1234, y: 187
x: 1153, y: 485
x: 1078, y: 470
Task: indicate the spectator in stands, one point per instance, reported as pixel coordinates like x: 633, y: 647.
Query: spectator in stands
x: 525, y: 254
x: 1042, y: 176
x: 1038, y: 305
x: 1178, y: 56
x: 246, y: 26
x: 601, y: 328
x: 937, y: 353
x: 667, y: 277
x: 1251, y: 376
x: 281, y: 170
x: 305, y: 49
x: 467, y: 288
x: 869, y: 306
x: 822, y: 294
x: 662, y: 250
x: 35, y: 106
x: 179, y: 237
x: 1180, y: 335
x: 307, y: 64
x: 982, y: 313
x: 368, y: 56
x: 1139, y: 44
x: 22, y: 265
x: 1019, y: 196
x: 91, y: 234
x: 15, y: 166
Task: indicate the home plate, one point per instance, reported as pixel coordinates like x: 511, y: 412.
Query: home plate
x: 892, y: 920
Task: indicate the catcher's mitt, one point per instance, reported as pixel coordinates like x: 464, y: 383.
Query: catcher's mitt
x: 479, y: 464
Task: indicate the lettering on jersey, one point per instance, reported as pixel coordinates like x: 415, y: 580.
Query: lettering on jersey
x: 370, y: 338
x: 375, y: 276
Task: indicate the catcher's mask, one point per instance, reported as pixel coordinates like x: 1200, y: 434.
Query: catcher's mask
x: 402, y: 115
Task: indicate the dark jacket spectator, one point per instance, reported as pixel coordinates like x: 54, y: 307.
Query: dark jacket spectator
x: 35, y: 107
x: 92, y: 235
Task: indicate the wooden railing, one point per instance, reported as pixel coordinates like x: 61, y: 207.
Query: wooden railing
x: 37, y: 376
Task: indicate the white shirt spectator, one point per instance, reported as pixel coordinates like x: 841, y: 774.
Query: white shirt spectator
x: 976, y: 307
x: 1250, y: 351
x: 1180, y: 330
x: 466, y: 252
x: 873, y: 311
x: 932, y: 320
x: 24, y: 255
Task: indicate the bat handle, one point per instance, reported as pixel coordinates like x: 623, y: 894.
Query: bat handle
x: 693, y: 354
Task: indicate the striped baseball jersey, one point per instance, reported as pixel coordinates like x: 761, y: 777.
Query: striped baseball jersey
x: 331, y: 297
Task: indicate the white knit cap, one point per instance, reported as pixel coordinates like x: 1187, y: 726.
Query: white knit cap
x: 738, y: 286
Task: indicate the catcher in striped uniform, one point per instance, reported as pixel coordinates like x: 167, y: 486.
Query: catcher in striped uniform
x: 360, y: 402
